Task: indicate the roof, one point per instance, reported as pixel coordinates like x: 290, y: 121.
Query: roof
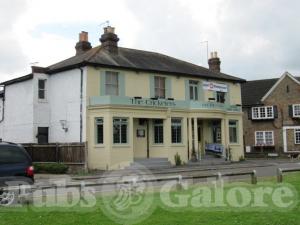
x: 18, y: 79
x: 139, y: 60
x: 132, y: 59
x: 253, y: 91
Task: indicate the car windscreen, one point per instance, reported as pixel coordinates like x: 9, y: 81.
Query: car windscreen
x: 12, y: 154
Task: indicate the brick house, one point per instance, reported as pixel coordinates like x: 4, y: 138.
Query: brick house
x: 271, y: 116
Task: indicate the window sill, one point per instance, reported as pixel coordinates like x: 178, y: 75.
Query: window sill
x: 158, y: 145
x: 234, y: 144
x: 177, y: 145
x: 99, y: 146
x: 42, y: 101
x: 120, y: 146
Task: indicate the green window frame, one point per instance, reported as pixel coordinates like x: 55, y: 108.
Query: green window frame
x: 176, y: 130
x: 99, y: 134
x: 120, y: 130
x: 233, y: 131
x: 158, y: 131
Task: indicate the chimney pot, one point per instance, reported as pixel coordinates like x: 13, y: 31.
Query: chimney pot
x: 83, y: 44
x: 109, y: 40
x: 214, y: 62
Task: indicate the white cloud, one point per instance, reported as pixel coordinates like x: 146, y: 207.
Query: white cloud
x: 254, y: 38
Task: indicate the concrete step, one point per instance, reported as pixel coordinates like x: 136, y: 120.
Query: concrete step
x: 143, y: 160
x: 151, y: 163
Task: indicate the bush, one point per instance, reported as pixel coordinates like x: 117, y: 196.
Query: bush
x: 55, y: 168
x: 178, y: 161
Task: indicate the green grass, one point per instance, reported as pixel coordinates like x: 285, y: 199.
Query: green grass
x: 161, y: 216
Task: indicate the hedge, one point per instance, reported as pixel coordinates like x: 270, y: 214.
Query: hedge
x: 55, y: 168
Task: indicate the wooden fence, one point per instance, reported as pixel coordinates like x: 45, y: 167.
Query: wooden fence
x: 70, y: 153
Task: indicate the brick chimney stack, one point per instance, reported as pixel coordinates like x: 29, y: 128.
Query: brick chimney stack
x: 83, y: 44
x: 214, y: 62
x: 109, y: 40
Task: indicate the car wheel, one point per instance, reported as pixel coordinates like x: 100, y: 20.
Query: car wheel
x: 6, y: 198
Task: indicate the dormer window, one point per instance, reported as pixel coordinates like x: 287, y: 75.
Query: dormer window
x: 296, y: 110
x: 263, y: 112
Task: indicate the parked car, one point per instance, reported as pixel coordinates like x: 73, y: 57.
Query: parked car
x: 15, y: 169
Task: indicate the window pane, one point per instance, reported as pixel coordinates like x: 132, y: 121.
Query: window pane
x: 262, y: 112
x: 259, y: 138
x: 160, y: 89
x: 158, y: 131
x: 99, y: 130
x: 120, y: 131
x: 116, y: 133
x: 233, y: 131
x: 297, y: 136
x: 191, y: 93
x: 111, y: 83
x: 42, y: 84
x: 196, y: 93
x: 176, y: 130
x: 41, y: 94
x: 269, y: 138
x: 123, y: 133
x: 296, y: 110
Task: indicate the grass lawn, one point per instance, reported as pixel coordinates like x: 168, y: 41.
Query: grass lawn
x: 161, y: 216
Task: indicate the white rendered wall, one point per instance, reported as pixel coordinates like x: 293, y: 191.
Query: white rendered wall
x: 24, y: 112
x: 17, y: 125
x: 64, y: 104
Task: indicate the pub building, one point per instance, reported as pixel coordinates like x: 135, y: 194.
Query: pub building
x: 139, y: 105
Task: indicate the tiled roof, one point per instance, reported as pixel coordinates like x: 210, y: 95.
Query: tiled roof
x: 141, y: 61
x: 253, y: 91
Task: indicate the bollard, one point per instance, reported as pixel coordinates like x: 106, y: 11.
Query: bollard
x: 219, y: 176
x: 254, y: 177
x: 179, y: 183
x: 81, y: 187
x: 279, y: 175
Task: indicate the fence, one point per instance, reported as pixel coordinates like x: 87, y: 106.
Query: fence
x: 70, y: 153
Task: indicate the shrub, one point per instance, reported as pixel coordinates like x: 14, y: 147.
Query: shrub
x: 55, y: 168
x: 178, y: 161
x: 241, y: 158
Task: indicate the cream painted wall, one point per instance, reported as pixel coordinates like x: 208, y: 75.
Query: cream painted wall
x: 138, y: 84
x: 111, y: 156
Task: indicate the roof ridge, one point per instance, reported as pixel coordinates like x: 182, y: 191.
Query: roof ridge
x: 181, y: 60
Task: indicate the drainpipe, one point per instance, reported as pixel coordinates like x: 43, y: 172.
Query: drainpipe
x: 81, y: 98
x: 3, y: 99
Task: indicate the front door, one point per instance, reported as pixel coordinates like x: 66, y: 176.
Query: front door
x: 140, y: 140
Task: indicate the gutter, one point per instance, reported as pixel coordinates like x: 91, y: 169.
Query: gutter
x: 3, y: 100
x: 81, y: 99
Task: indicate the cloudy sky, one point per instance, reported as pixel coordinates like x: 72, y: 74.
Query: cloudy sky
x: 254, y: 38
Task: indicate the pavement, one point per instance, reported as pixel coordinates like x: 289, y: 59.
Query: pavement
x: 263, y: 167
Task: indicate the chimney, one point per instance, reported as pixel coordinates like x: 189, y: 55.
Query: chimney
x: 83, y: 44
x: 109, y: 40
x: 214, y: 62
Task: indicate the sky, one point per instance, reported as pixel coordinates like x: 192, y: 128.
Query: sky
x: 254, y: 39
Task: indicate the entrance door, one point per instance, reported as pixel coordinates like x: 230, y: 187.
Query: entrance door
x: 42, y: 136
x: 140, y: 140
x: 200, y: 145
